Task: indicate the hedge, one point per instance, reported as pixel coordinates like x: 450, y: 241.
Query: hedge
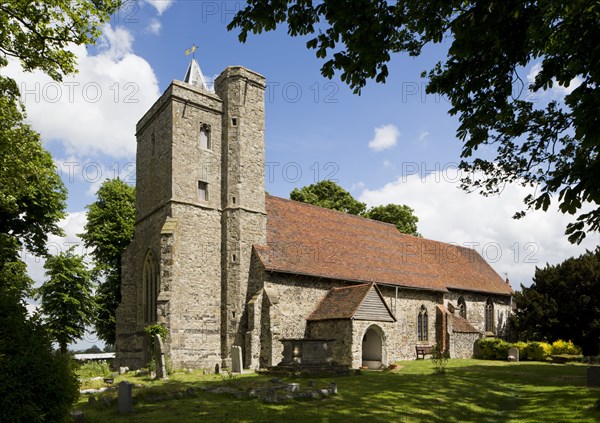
x: 497, y: 349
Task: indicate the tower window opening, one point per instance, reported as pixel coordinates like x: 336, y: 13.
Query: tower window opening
x: 234, y: 258
x: 205, y: 141
x: 234, y: 121
x: 150, y: 277
x: 233, y: 200
x: 202, y: 191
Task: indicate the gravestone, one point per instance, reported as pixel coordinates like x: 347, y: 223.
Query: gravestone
x: 236, y: 359
x: 159, y: 352
x: 513, y: 354
x: 125, y: 397
x: 333, y: 388
x: 217, y: 369
x: 593, y: 376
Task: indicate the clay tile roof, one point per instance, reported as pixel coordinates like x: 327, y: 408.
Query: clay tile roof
x: 460, y: 324
x: 308, y: 240
x: 341, y: 303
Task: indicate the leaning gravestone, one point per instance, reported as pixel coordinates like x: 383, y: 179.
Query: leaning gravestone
x: 159, y: 352
x: 513, y: 354
x: 593, y: 376
x: 125, y: 397
x: 236, y: 359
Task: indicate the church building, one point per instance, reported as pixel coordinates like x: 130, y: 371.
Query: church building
x: 220, y: 263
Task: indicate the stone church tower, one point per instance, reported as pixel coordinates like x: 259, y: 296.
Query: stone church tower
x: 199, y: 189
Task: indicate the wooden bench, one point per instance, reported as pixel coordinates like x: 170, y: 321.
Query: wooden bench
x: 423, y: 350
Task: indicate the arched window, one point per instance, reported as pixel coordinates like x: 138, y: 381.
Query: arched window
x: 422, y: 323
x: 489, y: 315
x: 462, y: 307
x: 205, y: 141
x: 150, y: 280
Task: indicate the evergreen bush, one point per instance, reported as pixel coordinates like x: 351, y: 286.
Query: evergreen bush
x: 38, y: 385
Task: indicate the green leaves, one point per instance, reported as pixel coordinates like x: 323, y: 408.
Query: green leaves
x: 400, y: 215
x: 66, y: 298
x: 330, y: 195
x: 554, y: 147
x: 32, y: 195
x: 40, y: 32
x: 561, y: 303
x: 108, y: 231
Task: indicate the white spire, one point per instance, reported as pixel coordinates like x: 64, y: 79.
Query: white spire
x: 194, y: 75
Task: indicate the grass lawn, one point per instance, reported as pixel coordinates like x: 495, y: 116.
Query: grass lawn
x: 471, y: 391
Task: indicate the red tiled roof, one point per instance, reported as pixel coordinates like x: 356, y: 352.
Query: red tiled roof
x: 460, y: 324
x: 341, y: 303
x: 309, y: 240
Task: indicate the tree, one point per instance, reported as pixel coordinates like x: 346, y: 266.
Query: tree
x: 66, y: 298
x: 330, y: 195
x: 93, y: 350
x: 553, y: 146
x: 400, y: 215
x: 37, y: 384
x: 39, y: 32
x: 108, y: 231
x: 32, y: 195
x: 562, y: 303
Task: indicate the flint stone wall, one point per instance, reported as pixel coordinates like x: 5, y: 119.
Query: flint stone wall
x: 476, y: 302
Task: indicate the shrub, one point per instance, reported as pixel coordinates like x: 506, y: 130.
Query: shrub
x: 591, y: 359
x: 162, y: 331
x: 94, y: 369
x: 439, y: 359
x: 493, y: 349
x: 38, y: 385
x: 538, y: 351
x: 561, y: 347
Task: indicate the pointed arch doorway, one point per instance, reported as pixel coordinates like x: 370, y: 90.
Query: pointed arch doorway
x: 372, y: 347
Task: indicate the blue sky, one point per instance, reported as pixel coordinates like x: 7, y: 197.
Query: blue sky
x: 392, y: 144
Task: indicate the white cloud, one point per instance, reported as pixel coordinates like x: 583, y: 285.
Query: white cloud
x: 535, y: 69
x: 31, y: 308
x: 160, y: 5
x: 423, y: 135
x: 385, y: 137
x: 388, y: 164
x: 154, y: 26
x: 448, y: 214
x: 94, y: 111
x: 557, y: 90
